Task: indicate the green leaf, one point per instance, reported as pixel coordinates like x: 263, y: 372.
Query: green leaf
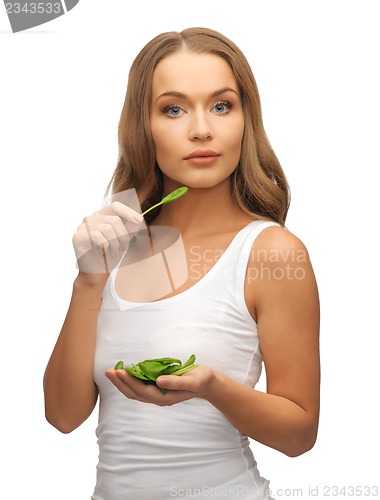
x: 136, y: 372
x: 173, y: 370
x: 184, y: 370
x: 190, y: 361
x: 167, y: 361
x: 152, y: 369
x: 169, y: 370
x: 119, y: 366
x: 174, y: 195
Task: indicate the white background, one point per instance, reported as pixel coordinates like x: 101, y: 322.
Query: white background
x: 62, y: 87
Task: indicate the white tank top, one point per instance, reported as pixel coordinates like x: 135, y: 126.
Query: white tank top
x: 190, y: 449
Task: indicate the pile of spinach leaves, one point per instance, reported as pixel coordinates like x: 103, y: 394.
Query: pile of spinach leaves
x: 149, y: 370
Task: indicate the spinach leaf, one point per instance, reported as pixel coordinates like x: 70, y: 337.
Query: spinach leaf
x: 174, y: 195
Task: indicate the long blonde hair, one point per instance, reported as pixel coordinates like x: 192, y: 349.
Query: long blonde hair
x: 258, y: 184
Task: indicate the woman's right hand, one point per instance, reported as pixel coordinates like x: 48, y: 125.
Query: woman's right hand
x: 102, y: 238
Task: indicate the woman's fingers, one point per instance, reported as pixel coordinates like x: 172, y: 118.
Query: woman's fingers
x: 102, y: 237
x: 118, y: 208
x: 133, y: 388
x: 112, y: 230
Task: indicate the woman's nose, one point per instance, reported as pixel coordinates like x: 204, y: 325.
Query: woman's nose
x: 200, y: 127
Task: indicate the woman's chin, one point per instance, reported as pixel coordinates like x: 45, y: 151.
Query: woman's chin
x: 203, y: 181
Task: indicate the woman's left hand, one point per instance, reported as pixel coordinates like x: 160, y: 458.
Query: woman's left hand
x: 194, y: 383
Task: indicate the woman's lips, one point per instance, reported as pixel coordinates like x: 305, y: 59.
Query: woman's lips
x: 202, y: 156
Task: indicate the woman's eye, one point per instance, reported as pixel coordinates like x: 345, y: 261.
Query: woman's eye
x: 222, y: 107
x: 173, y: 110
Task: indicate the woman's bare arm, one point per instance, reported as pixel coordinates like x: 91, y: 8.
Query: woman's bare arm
x: 70, y: 391
x: 283, y: 295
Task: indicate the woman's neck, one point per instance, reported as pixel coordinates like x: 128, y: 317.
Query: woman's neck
x: 202, y: 211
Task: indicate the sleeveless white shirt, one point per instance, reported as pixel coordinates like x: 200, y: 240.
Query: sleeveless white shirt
x: 188, y: 450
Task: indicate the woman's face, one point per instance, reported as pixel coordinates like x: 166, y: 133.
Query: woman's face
x: 197, y: 119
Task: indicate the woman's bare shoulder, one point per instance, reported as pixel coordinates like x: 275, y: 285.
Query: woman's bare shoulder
x: 281, y: 242
x: 279, y: 268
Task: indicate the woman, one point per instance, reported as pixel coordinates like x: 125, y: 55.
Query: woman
x: 191, y: 118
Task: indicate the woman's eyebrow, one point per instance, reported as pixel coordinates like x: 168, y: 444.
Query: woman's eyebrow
x: 181, y: 95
